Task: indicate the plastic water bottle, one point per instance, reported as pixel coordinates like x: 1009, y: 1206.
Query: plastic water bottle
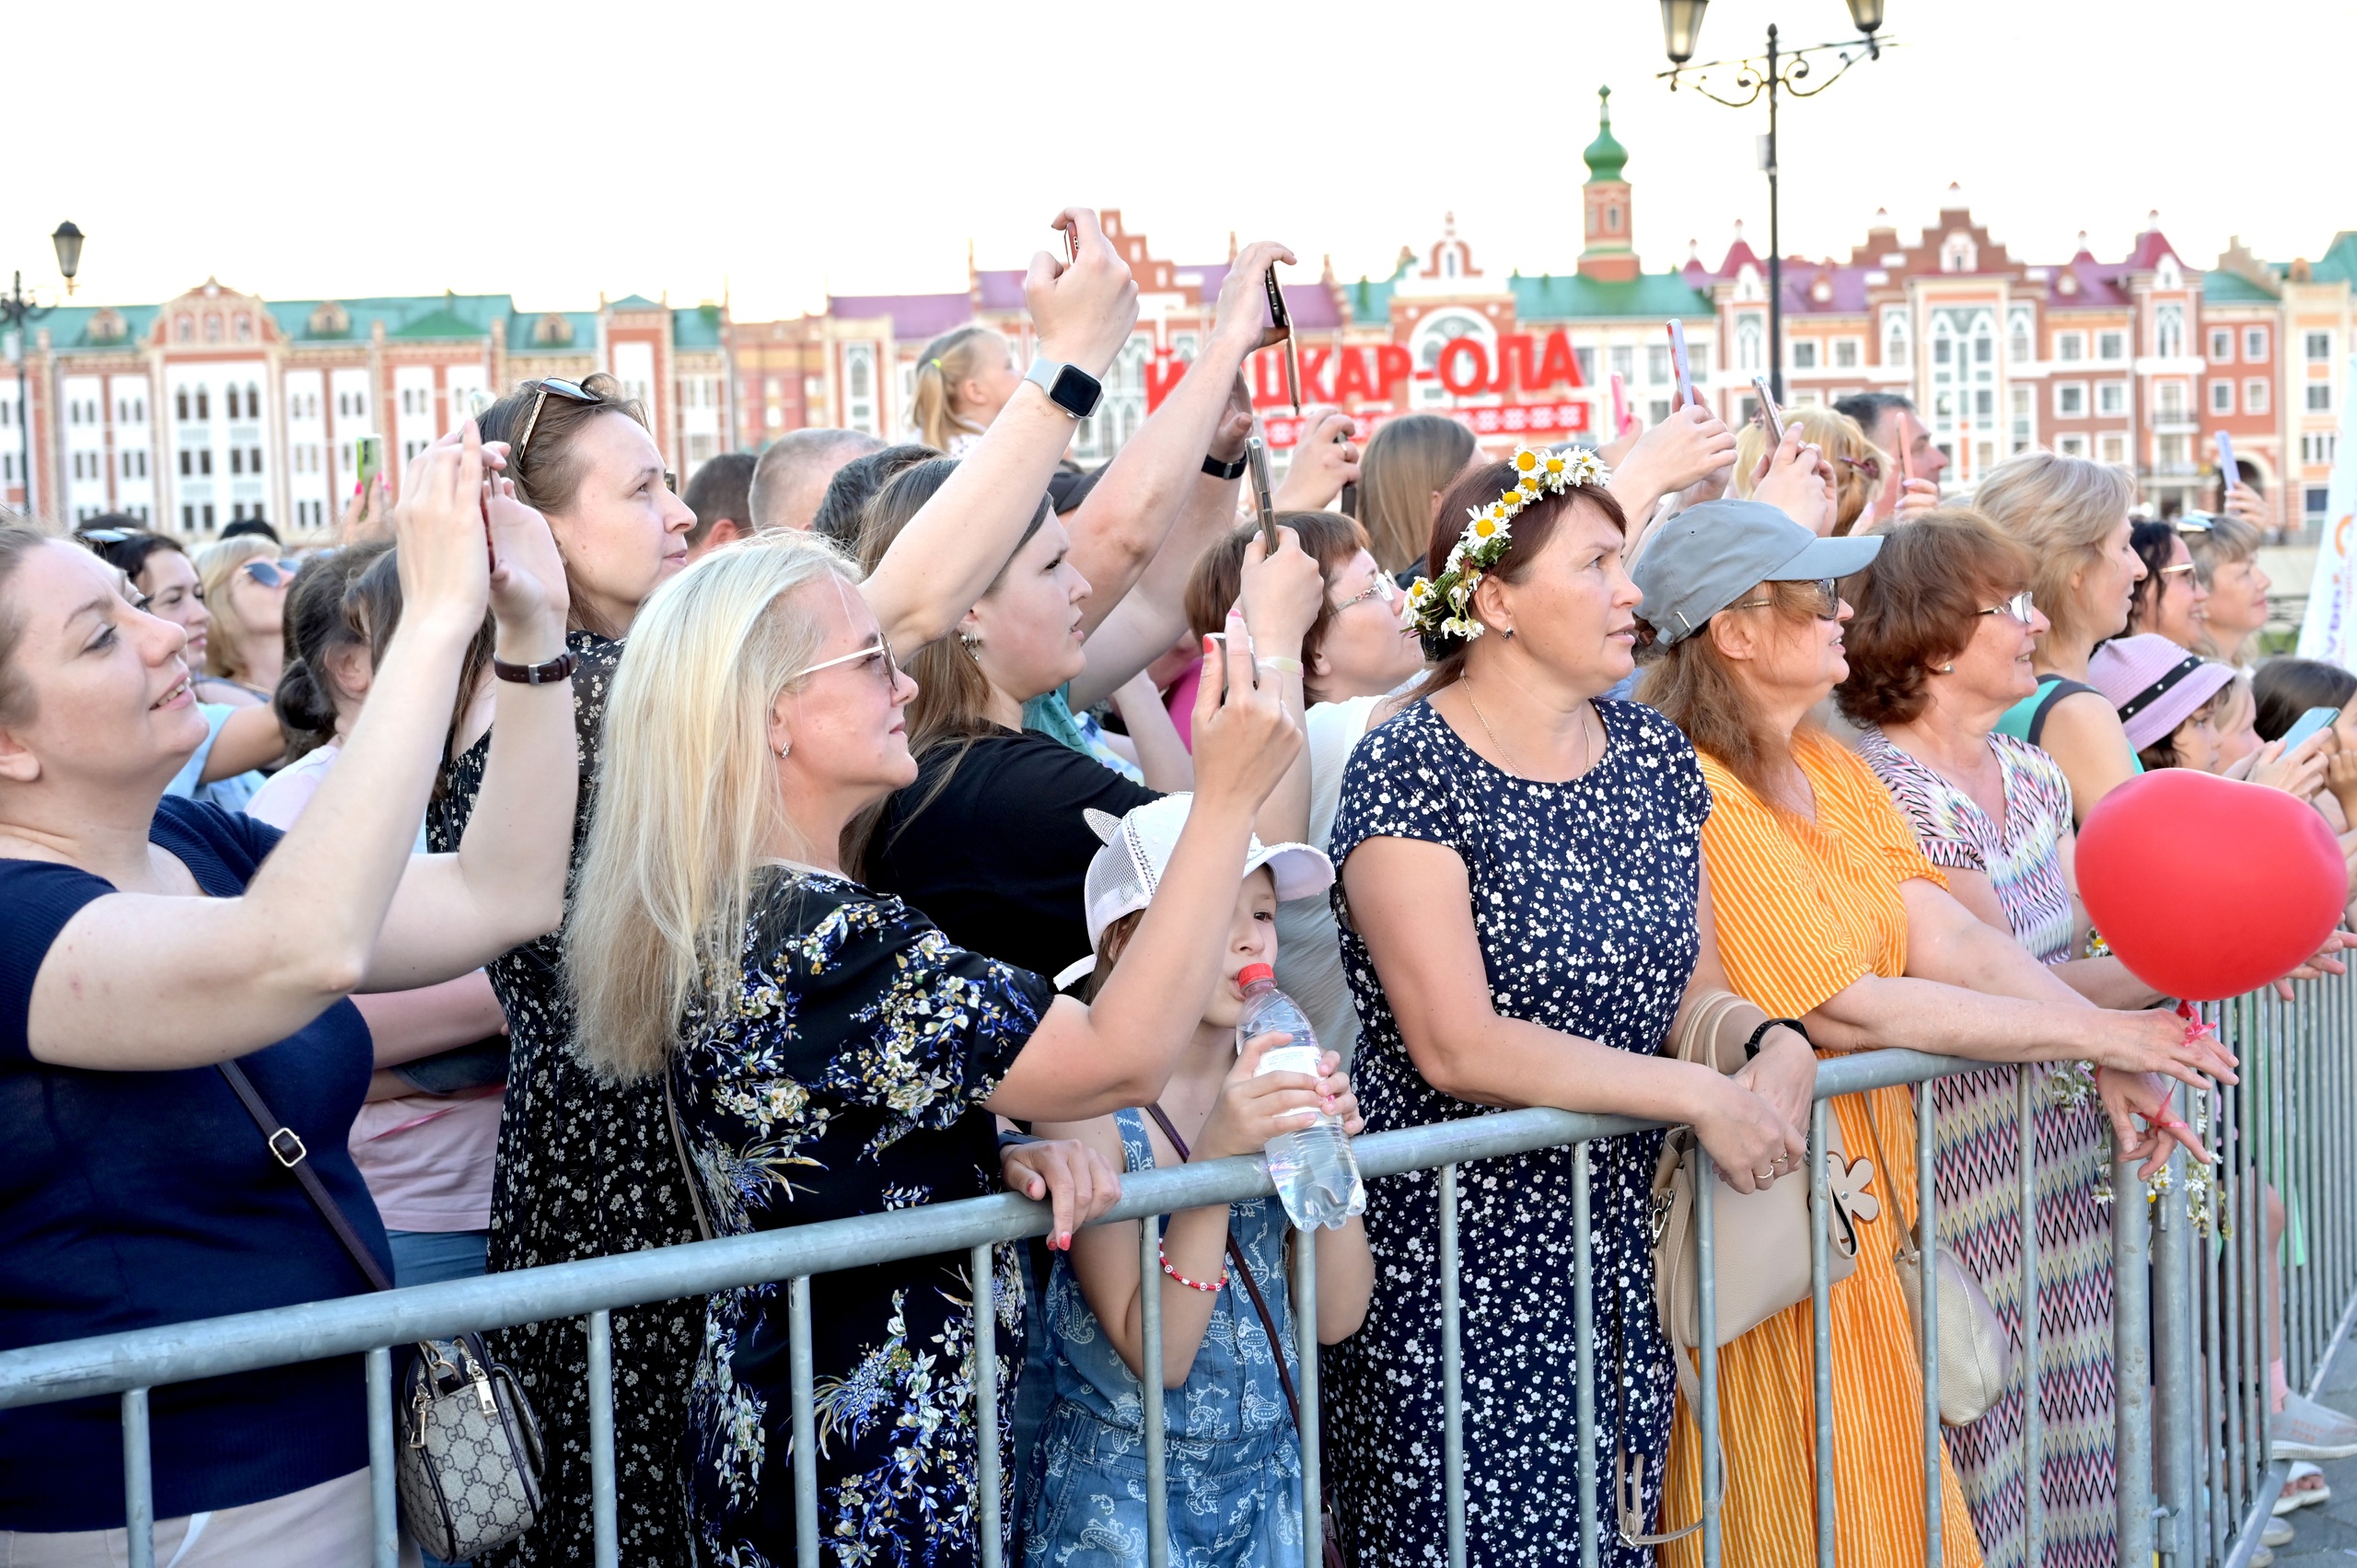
x: 1317, y: 1175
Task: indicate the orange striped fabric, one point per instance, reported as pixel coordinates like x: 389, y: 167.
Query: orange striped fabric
x: 1803, y: 910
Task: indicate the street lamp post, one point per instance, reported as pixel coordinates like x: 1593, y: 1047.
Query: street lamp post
x: 17, y: 313
x: 1782, y: 71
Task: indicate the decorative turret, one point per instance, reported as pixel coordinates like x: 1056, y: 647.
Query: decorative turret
x: 1608, y: 255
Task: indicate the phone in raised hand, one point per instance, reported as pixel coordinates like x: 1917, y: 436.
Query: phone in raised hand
x: 369, y: 452
x: 1769, y: 411
x: 1071, y: 243
x: 1282, y: 318
x: 1256, y: 453
x: 1679, y: 362
x: 1619, y: 405
x: 2229, y: 475
x: 2307, y: 724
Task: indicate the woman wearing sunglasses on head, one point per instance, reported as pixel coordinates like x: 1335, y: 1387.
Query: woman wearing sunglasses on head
x: 245, y: 589
x: 1827, y: 911
x: 243, y: 736
x: 151, y: 941
x: 586, y: 1167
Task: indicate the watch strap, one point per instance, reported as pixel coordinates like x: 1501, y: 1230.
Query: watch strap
x: 1751, y: 1046
x: 1052, y: 376
x: 544, y: 674
x: 1218, y: 469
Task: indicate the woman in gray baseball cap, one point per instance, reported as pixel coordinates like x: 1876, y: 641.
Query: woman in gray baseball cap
x: 1827, y: 912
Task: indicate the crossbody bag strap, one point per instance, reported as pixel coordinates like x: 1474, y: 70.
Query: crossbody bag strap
x: 1244, y: 1272
x: 679, y: 1147
x: 287, y: 1150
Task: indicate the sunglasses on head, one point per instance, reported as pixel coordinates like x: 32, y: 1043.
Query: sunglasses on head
x: 102, y: 536
x: 572, y: 390
x: 270, y: 574
x: 1827, y: 608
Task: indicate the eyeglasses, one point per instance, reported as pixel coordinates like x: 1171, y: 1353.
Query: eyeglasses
x: 1827, y: 606
x: 2019, y: 606
x: 2173, y: 571
x: 1382, y: 587
x: 562, y: 388
x: 270, y: 574
x: 879, y: 650
x: 1870, y: 467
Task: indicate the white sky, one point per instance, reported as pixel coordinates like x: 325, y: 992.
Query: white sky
x: 552, y: 150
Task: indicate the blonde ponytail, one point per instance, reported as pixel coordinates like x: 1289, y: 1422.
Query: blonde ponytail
x: 944, y: 366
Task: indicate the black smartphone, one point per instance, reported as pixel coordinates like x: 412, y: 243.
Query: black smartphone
x: 1282, y: 318
x: 1256, y: 453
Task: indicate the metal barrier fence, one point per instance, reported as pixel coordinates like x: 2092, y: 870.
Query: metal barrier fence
x: 2193, y: 1330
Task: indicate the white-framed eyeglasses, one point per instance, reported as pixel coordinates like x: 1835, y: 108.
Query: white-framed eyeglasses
x: 2018, y: 607
x: 1382, y: 588
x: 879, y: 650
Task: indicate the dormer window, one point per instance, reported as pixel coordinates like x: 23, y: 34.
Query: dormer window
x: 213, y: 329
x: 1959, y: 254
x: 551, y: 330
x: 330, y: 320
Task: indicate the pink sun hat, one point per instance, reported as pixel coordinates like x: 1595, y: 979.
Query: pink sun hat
x: 2154, y: 684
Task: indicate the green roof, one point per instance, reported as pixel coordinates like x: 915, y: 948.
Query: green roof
x: 699, y: 327
x: 2340, y: 263
x: 1606, y: 156
x: 1657, y: 295
x: 440, y: 324
x: 69, y: 326
x: 398, y: 313
x: 634, y: 302
x: 2233, y: 288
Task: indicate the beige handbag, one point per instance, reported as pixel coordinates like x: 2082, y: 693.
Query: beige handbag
x: 1976, y: 1354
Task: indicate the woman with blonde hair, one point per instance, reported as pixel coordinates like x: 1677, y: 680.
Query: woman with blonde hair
x: 963, y: 378
x: 1409, y: 463
x: 2073, y: 515
x: 2225, y: 548
x: 245, y: 588
x: 830, y: 1052
x: 1857, y: 462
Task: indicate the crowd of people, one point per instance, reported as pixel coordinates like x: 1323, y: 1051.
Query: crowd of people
x: 876, y: 825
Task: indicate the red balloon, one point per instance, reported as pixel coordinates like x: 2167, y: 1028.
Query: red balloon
x: 2207, y: 888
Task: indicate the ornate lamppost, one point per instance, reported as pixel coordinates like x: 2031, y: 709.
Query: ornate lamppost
x: 17, y: 313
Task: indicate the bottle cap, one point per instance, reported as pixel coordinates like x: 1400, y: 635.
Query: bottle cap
x: 1252, y: 974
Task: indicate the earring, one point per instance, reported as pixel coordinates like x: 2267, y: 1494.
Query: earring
x: 974, y: 646
x: 783, y: 748
x: 1948, y: 668
x: 1508, y: 634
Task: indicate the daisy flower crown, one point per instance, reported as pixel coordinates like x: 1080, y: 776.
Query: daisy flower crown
x: 1443, y: 607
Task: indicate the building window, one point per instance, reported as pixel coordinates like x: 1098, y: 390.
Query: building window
x: 2318, y: 447
x: 2319, y: 346
x: 2111, y: 396
x: 1658, y: 412
x: 2111, y: 346
x: 188, y: 462
x: 1657, y: 364
x: 1845, y: 353
x: 212, y: 334
x: 2069, y: 399
x: 2221, y: 345
x: 2255, y: 344
x: 2017, y: 334
x: 1984, y: 404
x: 2222, y: 397
x: 237, y: 461
x: 1804, y: 355
x: 1984, y: 453
x: 204, y: 403
x: 2170, y: 396
x: 2168, y: 332
x: 1624, y: 362
x: 181, y: 403
x: 1894, y: 339
x: 2025, y: 412
x: 1750, y: 339
x: 2313, y: 500
x: 1586, y: 359
x: 2171, y: 453
x: 2319, y: 397
x: 188, y: 520
x: 2255, y: 395
x: 2073, y: 446
x: 208, y: 516
x: 2070, y: 346
x: 2114, y: 448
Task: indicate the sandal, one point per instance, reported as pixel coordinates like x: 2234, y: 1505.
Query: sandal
x: 2295, y: 1495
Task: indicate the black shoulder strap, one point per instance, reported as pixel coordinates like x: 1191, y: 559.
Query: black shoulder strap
x: 288, y: 1150
x: 2057, y: 688
x: 1243, y: 1272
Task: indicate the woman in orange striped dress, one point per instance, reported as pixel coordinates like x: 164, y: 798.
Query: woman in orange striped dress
x: 1827, y: 913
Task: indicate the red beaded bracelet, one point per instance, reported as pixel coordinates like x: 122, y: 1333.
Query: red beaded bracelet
x: 1219, y: 1284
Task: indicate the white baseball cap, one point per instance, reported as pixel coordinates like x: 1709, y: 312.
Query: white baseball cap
x: 1125, y: 872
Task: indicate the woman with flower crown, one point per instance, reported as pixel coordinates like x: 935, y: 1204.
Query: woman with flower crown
x: 1525, y: 920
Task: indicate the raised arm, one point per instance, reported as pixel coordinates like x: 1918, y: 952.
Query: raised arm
x: 951, y: 549
x: 1123, y: 523
x: 302, y: 935
x: 1088, y: 1061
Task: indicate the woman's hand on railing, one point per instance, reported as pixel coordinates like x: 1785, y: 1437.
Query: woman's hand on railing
x: 2320, y: 964
x: 1784, y: 1074
x: 2146, y: 1095
x: 1748, y: 1137
x: 2155, y: 1042
x: 1078, y: 1183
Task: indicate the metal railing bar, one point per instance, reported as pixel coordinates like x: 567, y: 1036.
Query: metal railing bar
x: 1150, y: 1376
x: 2029, y: 1082
x: 1706, y: 1288
x: 138, y: 1483
x: 2132, y: 1349
x: 1927, y: 1304
x: 179, y: 1353
x: 982, y: 1264
x: 802, y: 1386
x: 1583, y: 1346
x: 2172, y: 1274
x: 1304, y: 1334
x: 383, y: 1507
x: 1452, y: 1359
x: 605, y: 1532
x: 1820, y: 1302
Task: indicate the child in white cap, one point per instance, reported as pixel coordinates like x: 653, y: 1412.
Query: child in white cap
x: 1233, y: 1455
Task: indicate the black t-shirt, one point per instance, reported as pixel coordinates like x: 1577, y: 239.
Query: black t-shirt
x: 998, y: 859
x: 130, y: 1200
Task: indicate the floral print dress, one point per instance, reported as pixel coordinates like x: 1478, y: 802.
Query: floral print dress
x: 847, y: 1079
x: 586, y: 1169
x: 1584, y: 900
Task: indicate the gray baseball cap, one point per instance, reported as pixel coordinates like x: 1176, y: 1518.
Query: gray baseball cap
x: 1708, y: 556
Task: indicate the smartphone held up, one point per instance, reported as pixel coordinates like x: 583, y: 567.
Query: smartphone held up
x: 1281, y: 320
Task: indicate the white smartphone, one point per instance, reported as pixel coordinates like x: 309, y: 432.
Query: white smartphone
x: 1679, y: 363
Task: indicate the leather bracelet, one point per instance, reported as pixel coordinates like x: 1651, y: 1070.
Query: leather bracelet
x: 545, y: 674
x: 1218, y: 469
x: 1751, y: 1046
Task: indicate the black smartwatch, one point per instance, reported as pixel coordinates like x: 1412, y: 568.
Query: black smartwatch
x: 1751, y: 1046
x: 1069, y: 387
x: 1218, y: 469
